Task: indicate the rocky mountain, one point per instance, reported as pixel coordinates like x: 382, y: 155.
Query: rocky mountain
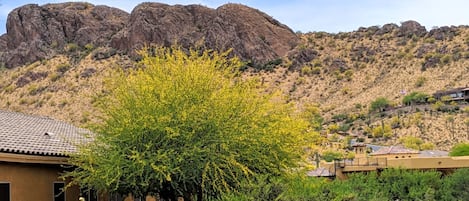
x: 40, y: 32
x: 251, y: 34
x: 56, y: 56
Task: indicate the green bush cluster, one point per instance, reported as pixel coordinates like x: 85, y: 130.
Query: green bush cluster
x: 268, y: 66
x: 390, y: 184
x: 415, y: 98
x: 379, y: 104
x: 460, y: 150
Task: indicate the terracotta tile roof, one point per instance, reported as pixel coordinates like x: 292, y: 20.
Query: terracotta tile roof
x: 36, y: 135
x: 394, y: 150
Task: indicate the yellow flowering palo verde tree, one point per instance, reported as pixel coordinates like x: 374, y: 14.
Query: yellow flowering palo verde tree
x: 188, y: 124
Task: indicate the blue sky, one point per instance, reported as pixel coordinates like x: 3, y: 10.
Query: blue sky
x: 315, y: 15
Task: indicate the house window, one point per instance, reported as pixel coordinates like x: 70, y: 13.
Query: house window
x: 59, y: 193
x: 116, y: 197
x: 4, y: 191
x: 89, y: 194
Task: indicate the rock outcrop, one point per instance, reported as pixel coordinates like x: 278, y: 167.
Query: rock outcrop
x: 411, y: 28
x: 36, y: 32
x: 39, y: 32
x: 443, y: 33
x: 387, y: 28
x: 251, y: 34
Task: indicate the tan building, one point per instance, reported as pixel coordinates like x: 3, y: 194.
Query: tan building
x: 359, y: 149
x: 33, y: 151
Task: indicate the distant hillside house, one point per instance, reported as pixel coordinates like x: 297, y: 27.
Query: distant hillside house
x: 395, y: 152
x: 456, y: 94
x: 33, y: 152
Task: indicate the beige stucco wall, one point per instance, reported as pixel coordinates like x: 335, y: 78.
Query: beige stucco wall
x: 33, y: 182
x: 430, y: 163
x: 393, y: 156
x: 439, y: 163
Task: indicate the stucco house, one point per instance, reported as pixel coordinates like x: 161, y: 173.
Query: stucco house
x: 393, y: 152
x: 33, y: 154
x: 456, y: 94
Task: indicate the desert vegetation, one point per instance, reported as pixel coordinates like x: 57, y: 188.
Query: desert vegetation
x: 390, y: 184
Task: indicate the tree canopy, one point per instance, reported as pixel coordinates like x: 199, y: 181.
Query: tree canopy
x: 415, y: 98
x: 379, y: 104
x: 187, y: 124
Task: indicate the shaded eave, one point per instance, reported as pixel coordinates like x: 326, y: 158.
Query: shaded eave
x: 33, y: 159
x: 450, y: 91
x: 29, y: 152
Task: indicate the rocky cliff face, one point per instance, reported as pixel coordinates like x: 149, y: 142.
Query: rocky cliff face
x: 250, y: 33
x: 37, y: 32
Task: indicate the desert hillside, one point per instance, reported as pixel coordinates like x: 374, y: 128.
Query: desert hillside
x: 345, y: 72
x: 59, y: 72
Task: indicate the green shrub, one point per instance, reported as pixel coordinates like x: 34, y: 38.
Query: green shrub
x: 460, y: 150
x: 348, y: 74
x: 379, y: 104
x: 333, y: 128
x: 261, y: 188
x: 54, y: 76
x: 382, y: 131
x: 445, y: 59
x: 340, y: 117
x: 89, y: 47
x: 420, y: 81
x: 317, y: 63
x: 438, y: 105
x: 415, y: 98
x: 456, y: 186
x: 431, y: 99
x: 34, y: 90
x: 71, y: 47
x: 427, y: 146
x: 411, y: 142
x: 316, y: 70
x: 270, y: 65
x: 62, y: 68
x: 330, y: 156
x: 9, y: 88
x: 345, y: 127
x: 306, y: 70
x: 430, y: 40
x: 301, y: 188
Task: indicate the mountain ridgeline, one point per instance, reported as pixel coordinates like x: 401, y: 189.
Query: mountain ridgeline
x: 40, y: 32
x: 54, y: 58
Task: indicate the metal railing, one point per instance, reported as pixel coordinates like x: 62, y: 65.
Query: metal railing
x: 378, y: 162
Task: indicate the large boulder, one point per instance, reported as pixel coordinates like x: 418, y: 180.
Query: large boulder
x: 411, y: 28
x: 387, y: 28
x: 36, y: 32
x: 251, y: 34
x: 443, y: 33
